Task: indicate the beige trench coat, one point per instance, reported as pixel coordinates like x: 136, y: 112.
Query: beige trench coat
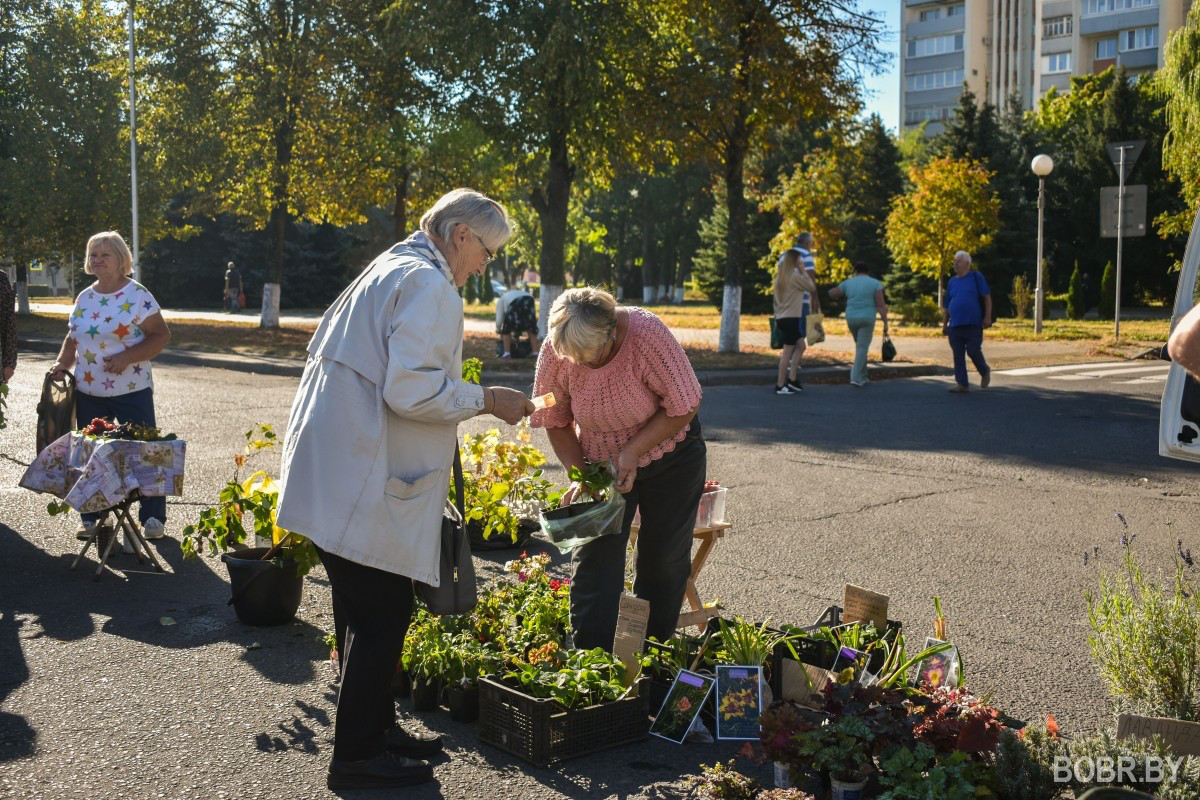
x: 372, y: 431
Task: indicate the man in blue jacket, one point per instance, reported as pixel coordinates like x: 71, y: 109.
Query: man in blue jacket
x: 966, y: 311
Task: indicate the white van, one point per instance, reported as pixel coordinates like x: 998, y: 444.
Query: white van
x: 1179, y: 415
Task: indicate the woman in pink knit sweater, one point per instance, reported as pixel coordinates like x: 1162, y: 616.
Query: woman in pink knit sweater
x: 625, y: 393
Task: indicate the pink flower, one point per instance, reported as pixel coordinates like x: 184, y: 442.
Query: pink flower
x: 521, y: 576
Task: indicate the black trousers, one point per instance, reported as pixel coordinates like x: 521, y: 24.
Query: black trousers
x: 668, y: 491
x: 371, y: 612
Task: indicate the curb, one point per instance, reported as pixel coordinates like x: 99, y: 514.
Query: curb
x: 294, y: 368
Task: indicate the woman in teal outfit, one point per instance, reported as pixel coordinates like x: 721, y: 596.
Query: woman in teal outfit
x: 864, y: 296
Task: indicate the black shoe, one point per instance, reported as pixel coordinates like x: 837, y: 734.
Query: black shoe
x: 795, y: 386
x: 413, y: 745
x: 785, y: 389
x: 384, y: 770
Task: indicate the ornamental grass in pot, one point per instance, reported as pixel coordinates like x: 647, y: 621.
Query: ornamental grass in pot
x: 266, y: 582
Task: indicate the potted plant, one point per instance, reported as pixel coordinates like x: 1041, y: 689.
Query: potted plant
x: 580, y: 522
x: 467, y: 660
x: 266, y: 582
x: 841, y: 748
x: 424, y: 658
x: 503, y: 488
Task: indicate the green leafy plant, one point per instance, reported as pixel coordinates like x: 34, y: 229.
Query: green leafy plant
x: 740, y: 642
x: 722, y: 782
x: 572, y: 678
x: 502, y: 481
x: 842, y: 748
x: 426, y: 647
x: 595, y: 479
x: 523, y: 610
x: 1145, y: 640
x: 919, y: 773
x: 472, y: 370
x: 1105, y: 744
x: 779, y: 724
x: 221, y: 527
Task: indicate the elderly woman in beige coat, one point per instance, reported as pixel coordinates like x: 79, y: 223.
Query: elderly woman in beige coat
x: 367, y: 459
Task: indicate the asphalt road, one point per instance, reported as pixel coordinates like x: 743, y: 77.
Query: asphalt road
x: 988, y: 499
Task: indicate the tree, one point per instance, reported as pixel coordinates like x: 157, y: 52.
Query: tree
x: 730, y: 70
x: 64, y: 174
x: 262, y: 79
x: 813, y: 199
x: 1076, y: 302
x: 550, y: 89
x: 872, y: 183
x: 1108, y: 292
x: 1181, y: 146
x: 949, y: 208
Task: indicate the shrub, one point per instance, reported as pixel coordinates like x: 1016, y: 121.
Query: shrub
x: 1076, y: 301
x: 1108, y: 292
x: 1021, y: 297
x: 923, y: 312
x: 1185, y: 783
x: 1145, y: 640
x: 722, y: 782
x: 1025, y: 762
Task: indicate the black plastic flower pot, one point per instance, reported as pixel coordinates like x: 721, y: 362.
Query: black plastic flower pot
x: 265, y: 593
x: 401, y: 684
x: 424, y: 694
x: 464, y: 703
x: 526, y: 528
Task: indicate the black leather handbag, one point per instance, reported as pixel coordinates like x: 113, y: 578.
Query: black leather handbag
x: 889, y: 349
x: 456, y: 593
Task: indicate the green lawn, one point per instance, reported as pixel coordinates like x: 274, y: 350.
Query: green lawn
x: 704, y: 316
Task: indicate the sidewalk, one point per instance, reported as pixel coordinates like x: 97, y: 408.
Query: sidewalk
x: 923, y: 355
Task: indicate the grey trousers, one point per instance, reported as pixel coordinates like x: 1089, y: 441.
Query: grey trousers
x: 668, y: 491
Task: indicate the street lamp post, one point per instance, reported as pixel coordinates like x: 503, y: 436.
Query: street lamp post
x: 1042, y: 166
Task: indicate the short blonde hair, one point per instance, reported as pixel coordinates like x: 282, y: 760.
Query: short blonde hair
x: 483, y: 215
x: 117, y: 243
x: 581, y: 321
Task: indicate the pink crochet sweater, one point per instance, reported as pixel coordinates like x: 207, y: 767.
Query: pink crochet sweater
x: 608, y: 405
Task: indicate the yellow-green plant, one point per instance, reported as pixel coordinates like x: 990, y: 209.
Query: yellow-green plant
x: 1145, y: 640
x: 221, y: 526
x: 502, y: 481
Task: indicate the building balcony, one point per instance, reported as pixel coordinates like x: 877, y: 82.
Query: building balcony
x: 932, y: 27
x: 1118, y: 21
x: 1101, y: 64
x: 931, y: 63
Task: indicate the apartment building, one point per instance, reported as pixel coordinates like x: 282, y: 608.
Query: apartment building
x: 998, y: 47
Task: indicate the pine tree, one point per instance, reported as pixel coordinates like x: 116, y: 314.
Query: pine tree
x: 1076, y: 302
x: 486, y: 293
x: 877, y: 179
x: 471, y: 289
x: 1108, y: 292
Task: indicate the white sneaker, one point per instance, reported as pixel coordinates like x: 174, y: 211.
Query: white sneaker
x: 153, y: 528
x: 85, y: 531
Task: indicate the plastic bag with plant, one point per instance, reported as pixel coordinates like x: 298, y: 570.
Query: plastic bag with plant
x: 579, y: 523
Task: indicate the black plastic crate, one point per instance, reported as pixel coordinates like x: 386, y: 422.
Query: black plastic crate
x: 818, y: 652
x: 543, y: 733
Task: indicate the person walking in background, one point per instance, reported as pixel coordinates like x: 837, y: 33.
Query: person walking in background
x: 115, y: 329
x: 233, y: 288
x: 8, y: 328
x: 864, y: 297
x: 966, y: 311
x: 516, y: 315
x: 793, y: 283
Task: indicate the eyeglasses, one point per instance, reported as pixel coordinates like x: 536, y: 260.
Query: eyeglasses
x: 490, y: 255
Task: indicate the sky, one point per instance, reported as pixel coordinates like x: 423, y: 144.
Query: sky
x: 882, y: 93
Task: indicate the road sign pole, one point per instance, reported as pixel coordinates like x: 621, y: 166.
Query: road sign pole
x: 1120, y: 230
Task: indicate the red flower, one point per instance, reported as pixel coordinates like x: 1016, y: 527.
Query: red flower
x: 1051, y: 726
x: 554, y: 584
x: 684, y: 704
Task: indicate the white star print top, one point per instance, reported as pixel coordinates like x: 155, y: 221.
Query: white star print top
x: 103, y: 325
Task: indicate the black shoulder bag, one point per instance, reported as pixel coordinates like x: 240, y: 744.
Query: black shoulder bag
x: 456, y: 593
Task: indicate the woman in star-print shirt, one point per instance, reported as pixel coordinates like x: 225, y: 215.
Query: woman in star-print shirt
x: 115, y: 329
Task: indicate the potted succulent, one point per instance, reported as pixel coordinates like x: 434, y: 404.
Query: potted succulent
x: 266, y: 582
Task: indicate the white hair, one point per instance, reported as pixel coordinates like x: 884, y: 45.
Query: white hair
x: 483, y: 215
x: 963, y: 254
